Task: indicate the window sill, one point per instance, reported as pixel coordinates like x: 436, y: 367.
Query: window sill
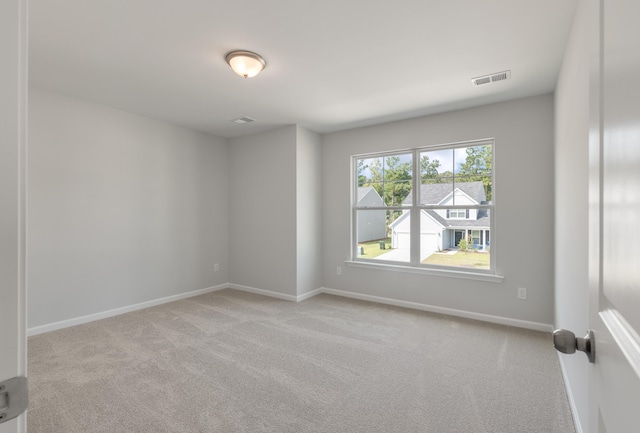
x: 492, y: 278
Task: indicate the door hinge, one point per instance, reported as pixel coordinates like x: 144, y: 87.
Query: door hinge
x: 14, y: 398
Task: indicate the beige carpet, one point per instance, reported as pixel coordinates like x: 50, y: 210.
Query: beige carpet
x: 230, y: 361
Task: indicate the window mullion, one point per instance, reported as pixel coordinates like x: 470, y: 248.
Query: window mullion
x: 415, y: 209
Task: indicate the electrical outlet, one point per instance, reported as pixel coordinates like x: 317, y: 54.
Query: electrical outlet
x: 522, y: 293
x: 216, y: 267
x: 338, y: 270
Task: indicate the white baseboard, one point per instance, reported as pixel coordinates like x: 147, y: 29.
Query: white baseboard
x: 308, y: 295
x: 269, y: 293
x: 572, y: 402
x: 117, y: 311
x: 536, y: 326
x: 278, y: 295
x: 293, y: 298
x: 544, y: 327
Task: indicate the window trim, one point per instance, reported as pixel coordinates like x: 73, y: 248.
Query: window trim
x: 446, y: 272
x: 414, y: 266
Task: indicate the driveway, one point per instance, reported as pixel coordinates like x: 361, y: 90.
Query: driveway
x: 402, y: 255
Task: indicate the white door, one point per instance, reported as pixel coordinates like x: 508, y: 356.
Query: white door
x: 614, y: 236
x: 13, y: 79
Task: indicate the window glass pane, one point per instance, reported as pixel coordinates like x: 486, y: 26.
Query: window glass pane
x: 367, y: 169
x: 397, y: 179
x: 384, y: 235
x: 473, y: 167
x: 468, y: 259
x: 456, y: 176
x: 434, y: 237
x: 454, y: 241
x: 436, y: 175
x: 391, y: 176
x: 369, y: 196
x: 371, y: 226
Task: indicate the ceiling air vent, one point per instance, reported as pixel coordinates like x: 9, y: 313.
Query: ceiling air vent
x: 243, y: 120
x: 488, y: 79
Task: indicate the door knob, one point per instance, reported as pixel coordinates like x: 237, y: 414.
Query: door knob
x: 566, y: 342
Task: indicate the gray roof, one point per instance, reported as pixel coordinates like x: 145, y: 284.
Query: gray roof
x: 364, y: 190
x: 483, y: 220
x: 434, y: 193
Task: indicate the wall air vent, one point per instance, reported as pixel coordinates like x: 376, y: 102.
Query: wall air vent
x: 243, y: 120
x: 488, y: 79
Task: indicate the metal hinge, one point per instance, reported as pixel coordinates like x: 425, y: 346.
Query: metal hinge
x: 14, y: 398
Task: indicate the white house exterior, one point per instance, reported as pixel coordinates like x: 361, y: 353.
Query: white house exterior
x: 444, y: 228
x: 371, y: 223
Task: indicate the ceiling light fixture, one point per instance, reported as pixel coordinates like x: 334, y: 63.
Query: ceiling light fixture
x: 245, y: 63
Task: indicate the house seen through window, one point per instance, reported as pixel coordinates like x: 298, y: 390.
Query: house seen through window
x: 427, y: 207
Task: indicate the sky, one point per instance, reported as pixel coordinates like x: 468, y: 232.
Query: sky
x: 447, y: 157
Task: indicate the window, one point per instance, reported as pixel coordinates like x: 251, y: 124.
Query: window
x: 428, y: 207
x: 383, y: 184
x: 458, y: 213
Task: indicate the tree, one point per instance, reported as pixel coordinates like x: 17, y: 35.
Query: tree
x: 376, y: 178
x: 397, y: 180
x: 478, y: 167
x: 362, y: 178
x: 429, y: 169
x: 463, y: 245
x: 445, y: 177
x: 390, y: 177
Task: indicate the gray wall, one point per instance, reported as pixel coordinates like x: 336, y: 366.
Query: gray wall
x: 571, y: 215
x: 125, y: 209
x: 524, y: 196
x: 122, y: 209
x: 275, y: 211
x: 309, y: 211
x: 262, y: 211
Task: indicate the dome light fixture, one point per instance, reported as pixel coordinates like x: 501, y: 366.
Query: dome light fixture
x: 245, y: 63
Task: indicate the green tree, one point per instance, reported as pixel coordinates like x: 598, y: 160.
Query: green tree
x: 397, y: 180
x: 429, y: 170
x: 445, y: 177
x: 362, y: 179
x: 376, y: 178
x: 478, y: 166
x: 465, y: 244
x: 390, y: 177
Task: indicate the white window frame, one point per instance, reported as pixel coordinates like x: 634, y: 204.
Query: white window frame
x: 414, y: 265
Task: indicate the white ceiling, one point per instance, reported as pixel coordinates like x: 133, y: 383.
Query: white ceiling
x: 331, y: 64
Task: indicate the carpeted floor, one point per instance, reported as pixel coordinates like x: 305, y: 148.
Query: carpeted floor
x: 230, y: 361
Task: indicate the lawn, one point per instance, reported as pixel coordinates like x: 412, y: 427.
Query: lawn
x: 465, y: 259
x: 372, y: 248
